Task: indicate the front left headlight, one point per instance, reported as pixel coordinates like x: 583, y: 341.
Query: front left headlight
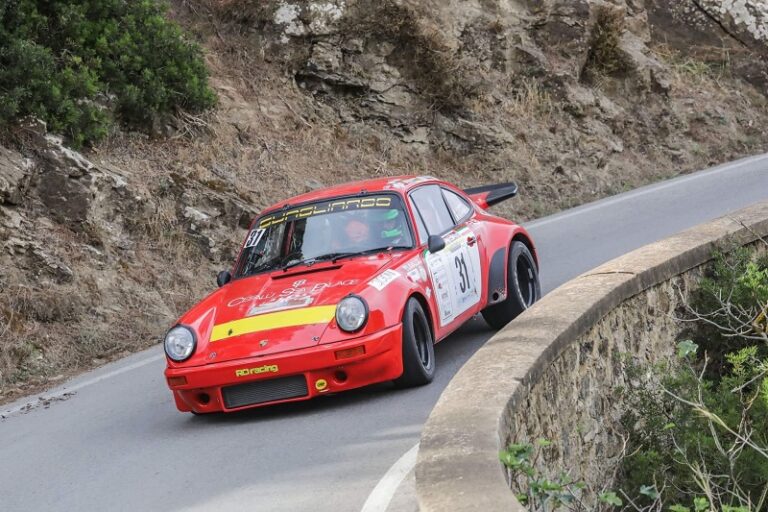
x: 179, y: 343
x: 351, y: 313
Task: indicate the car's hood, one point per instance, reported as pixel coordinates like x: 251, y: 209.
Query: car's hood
x: 271, y: 313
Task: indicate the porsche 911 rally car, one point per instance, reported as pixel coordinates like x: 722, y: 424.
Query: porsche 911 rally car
x: 350, y: 286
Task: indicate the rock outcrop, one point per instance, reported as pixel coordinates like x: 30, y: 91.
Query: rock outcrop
x: 426, y: 69
x: 88, y: 249
x: 745, y: 20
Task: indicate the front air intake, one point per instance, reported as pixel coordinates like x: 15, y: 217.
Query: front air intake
x: 262, y: 391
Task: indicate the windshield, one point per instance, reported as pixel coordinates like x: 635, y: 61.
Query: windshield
x: 330, y: 229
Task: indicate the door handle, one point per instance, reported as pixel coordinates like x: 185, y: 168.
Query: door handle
x: 471, y: 241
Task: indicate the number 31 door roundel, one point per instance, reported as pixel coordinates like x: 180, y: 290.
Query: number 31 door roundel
x: 456, y: 275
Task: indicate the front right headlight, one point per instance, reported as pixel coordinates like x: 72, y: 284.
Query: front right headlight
x: 351, y: 313
x: 179, y: 343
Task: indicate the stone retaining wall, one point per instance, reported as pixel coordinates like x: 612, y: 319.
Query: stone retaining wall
x: 550, y: 373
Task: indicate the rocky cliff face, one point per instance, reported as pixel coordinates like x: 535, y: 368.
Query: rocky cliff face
x: 96, y: 263
x: 745, y: 20
x: 573, y: 99
x: 559, y: 95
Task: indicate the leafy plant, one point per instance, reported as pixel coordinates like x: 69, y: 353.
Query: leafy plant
x: 542, y: 492
x: 725, y: 308
x: 698, y: 436
x: 81, y: 64
x: 700, y: 426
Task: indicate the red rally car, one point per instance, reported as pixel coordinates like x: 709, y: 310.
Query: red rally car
x: 350, y: 286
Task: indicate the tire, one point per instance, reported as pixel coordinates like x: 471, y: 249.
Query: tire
x: 418, y: 348
x: 523, y: 287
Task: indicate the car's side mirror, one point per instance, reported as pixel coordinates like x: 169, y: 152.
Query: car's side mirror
x: 435, y: 243
x: 223, y: 278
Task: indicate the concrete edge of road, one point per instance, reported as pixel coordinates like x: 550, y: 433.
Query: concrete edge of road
x: 458, y: 467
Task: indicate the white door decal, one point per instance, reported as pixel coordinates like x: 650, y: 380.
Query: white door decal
x: 455, y: 275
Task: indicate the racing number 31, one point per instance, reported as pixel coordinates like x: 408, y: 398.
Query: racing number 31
x: 461, y: 266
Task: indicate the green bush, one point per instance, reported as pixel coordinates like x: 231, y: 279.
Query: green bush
x: 732, y: 295
x: 697, y: 436
x: 80, y: 64
x: 699, y: 427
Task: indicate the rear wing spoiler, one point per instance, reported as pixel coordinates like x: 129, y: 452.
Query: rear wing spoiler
x: 489, y: 195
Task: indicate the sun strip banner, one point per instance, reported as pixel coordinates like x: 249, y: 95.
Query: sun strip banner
x: 331, y: 206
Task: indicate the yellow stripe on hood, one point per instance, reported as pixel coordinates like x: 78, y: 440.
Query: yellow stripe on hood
x: 277, y: 320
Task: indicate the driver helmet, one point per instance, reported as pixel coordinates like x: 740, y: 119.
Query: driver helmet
x: 390, y: 223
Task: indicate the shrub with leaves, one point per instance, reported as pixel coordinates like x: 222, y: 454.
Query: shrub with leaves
x: 699, y: 428
x: 723, y: 312
x: 696, y: 437
x: 541, y: 492
x: 79, y: 64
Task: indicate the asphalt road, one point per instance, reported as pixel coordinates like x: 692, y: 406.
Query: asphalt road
x: 117, y: 442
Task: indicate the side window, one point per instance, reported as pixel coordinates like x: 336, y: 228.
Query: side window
x: 420, y: 227
x: 430, y: 204
x: 459, y: 207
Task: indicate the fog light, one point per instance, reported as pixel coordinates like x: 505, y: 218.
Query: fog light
x: 204, y: 398
x: 177, y: 381
x: 340, y: 376
x: 350, y: 352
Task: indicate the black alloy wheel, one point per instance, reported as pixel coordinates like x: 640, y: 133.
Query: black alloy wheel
x: 418, y: 347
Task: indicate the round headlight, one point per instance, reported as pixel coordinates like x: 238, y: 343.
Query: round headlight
x: 179, y: 343
x: 351, y: 313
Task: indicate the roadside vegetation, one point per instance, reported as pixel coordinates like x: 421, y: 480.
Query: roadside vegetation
x: 81, y: 66
x: 695, y: 428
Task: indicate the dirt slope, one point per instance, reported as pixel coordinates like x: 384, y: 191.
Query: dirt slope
x: 573, y: 99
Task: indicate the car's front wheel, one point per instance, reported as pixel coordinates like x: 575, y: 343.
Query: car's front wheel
x: 418, y: 347
x: 523, y: 287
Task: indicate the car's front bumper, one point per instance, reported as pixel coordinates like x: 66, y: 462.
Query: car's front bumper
x: 319, y: 365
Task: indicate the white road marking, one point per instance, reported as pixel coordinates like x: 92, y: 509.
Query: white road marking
x: 63, y: 390
x: 648, y: 189
x: 382, y: 494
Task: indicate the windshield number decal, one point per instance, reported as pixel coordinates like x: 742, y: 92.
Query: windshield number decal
x: 254, y: 237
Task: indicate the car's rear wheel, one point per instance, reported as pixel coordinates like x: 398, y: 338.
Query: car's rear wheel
x: 418, y: 347
x: 523, y: 287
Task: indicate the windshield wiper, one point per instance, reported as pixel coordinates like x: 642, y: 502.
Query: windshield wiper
x: 388, y: 248
x: 267, y: 265
x: 336, y: 256
x: 314, y: 259
x: 295, y: 263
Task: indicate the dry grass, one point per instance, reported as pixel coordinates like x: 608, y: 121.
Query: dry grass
x: 705, y: 67
x: 530, y: 101
x: 605, y: 57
